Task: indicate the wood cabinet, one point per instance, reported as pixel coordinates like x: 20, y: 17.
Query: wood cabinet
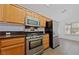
x: 1, y: 12
x: 17, y: 49
x: 29, y: 13
x: 46, y: 41
x: 14, y: 14
x: 11, y: 41
x: 13, y: 46
x: 42, y: 21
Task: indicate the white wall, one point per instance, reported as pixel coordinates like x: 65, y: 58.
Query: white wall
x: 62, y: 34
x: 11, y: 27
x: 67, y: 18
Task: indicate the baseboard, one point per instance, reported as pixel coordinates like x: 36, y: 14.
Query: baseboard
x: 69, y: 39
x: 54, y: 47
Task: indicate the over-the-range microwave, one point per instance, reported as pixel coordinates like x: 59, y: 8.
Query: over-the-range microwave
x: 30, y: 21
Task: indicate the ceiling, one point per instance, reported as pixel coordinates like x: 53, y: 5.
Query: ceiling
x: 59, y: 12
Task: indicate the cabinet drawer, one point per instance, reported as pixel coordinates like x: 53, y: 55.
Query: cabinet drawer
x: 13, y: 50
x: 11, y: 41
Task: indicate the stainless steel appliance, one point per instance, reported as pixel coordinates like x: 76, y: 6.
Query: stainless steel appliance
x: 34, y: 36
x: 55, y: 34
x: 34, y: 44
x: 52, y: 29
x: 30, y: 21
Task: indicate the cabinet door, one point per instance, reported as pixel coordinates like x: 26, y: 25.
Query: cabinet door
x: 42, y: 21
x: 11, y: 41
x: 46, y: 45
x: 13, y: 50
x: 46, y: 41
x: 1, y: 12
x: 14, y: 14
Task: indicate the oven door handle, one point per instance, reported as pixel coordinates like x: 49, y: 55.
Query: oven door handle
x: 34, y: 39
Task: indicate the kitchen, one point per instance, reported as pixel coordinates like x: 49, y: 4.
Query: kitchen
x: 25, y: 32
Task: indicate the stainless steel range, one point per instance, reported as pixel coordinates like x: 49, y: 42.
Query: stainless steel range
x: 34, y: 42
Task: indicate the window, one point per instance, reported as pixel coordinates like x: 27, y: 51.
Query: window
x: 72, y: 28
x: 75, y: 28
x: 68, y: 29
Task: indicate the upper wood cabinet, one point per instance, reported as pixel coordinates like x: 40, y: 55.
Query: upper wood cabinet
x: 1, y: 12
x: 13, y: 14
x: 29, y: 13
x: 42, y: 21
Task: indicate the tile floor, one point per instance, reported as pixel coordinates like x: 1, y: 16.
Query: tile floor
x: 67, y: 47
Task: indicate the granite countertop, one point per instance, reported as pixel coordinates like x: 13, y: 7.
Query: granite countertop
x: 11, y: 36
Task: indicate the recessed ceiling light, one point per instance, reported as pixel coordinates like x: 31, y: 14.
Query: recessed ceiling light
x: 64, y: 10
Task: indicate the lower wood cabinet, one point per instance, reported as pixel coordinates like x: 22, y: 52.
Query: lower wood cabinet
x: 11, y: 41
x: 46, y: 41
x: 12, y: 46
x: 13, y: 50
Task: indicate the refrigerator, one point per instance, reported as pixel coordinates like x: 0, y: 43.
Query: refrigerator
x: 52, y: 30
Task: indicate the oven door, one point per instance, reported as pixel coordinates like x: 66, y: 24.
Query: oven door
x: 34, y: 46
x: 35, y: 43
